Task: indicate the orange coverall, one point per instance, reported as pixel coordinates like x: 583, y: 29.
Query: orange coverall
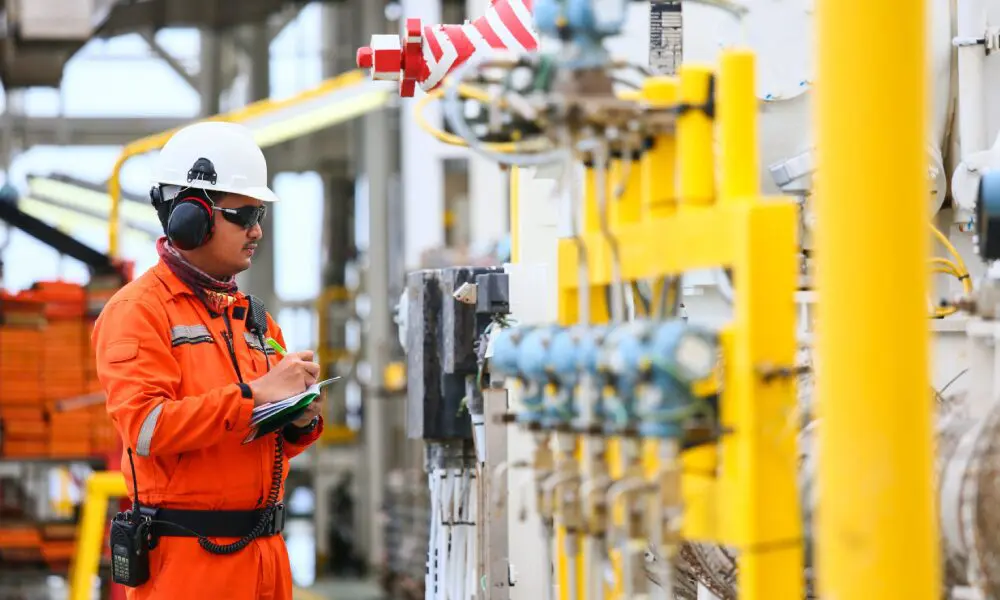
x: 173, y: 394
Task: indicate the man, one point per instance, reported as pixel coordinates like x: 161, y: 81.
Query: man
x: 182, y: 356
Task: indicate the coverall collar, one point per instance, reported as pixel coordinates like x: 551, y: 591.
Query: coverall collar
x: 174, y: 285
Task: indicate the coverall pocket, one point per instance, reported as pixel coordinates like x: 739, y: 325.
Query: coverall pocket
x: 157, y: 562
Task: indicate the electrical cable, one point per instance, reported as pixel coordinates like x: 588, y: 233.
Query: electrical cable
x: 277, y: 473
x: 430, y: 581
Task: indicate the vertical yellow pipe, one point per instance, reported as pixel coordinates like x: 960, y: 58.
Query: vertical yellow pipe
x: 740, y: 180
x: 591, y: 210
x: 625, y: 175
x: 514, y: 182
x: 114, y: 218
x: 616, y: 471
x: 569, y: 310
x: 659, y: 189
x: 695, y: 137
x: 877, y: 537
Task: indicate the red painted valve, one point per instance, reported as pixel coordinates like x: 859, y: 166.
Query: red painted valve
x: 427, y: 54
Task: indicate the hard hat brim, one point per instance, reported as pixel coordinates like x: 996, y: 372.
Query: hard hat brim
x: 262, y: 193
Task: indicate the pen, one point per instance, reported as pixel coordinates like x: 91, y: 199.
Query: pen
x: 277, y: 347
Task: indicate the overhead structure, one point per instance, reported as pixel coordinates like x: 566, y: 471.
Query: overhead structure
x: 99, y: 264
x: 128, y: 17
x: 72, y: 203
x: 273, y: 122
x: 41, y: 35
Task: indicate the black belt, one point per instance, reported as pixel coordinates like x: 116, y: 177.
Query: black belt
x: 171, y: 522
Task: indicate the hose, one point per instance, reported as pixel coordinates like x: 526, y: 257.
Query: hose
x: 956, y: 268
x: 453, y: 112
x: 468, y: 92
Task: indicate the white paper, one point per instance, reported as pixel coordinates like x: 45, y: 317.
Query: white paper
x: 262, y: 412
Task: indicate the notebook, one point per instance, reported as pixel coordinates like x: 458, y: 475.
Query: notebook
x: 268, y: 418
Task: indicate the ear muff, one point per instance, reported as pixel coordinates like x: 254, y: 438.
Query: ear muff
x: 190, y: 222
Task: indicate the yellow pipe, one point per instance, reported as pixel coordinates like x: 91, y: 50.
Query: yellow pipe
x: 695, y: 143
x: 569, y: 310
x: 101, y: 486
x: 740, y: 180
x: 877, y: 536
x: 625, y: 177
x: 617, y: 471
x: 659, y: 189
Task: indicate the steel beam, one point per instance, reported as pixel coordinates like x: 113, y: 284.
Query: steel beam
x: 26, y: 132
x: 150, y: 37
x: 210, y: 72
x: 260, y: 279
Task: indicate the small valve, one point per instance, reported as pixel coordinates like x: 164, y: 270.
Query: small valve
x: 393, y: 58
x: 427, y: 54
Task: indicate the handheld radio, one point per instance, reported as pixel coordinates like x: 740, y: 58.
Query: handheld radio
x: 130, y: 541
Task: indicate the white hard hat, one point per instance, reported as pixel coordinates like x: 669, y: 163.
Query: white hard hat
x: 214, y: 156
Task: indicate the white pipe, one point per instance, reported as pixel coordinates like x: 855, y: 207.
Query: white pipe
x: 706, y: 594
x: 971, y: 64
x: 432, y: 540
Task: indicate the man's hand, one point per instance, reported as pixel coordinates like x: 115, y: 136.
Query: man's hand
x: 314, y: 410
x: 291, y: 376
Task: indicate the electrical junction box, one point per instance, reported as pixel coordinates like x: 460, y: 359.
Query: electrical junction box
x: 442, y: 336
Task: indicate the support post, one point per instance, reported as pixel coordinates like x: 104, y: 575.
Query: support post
x: 210, y: 72
x: 259, y: 280
x: 877, y: 528
x: 378, y: 166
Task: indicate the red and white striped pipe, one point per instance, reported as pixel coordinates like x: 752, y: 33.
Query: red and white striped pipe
x: 428, y: 53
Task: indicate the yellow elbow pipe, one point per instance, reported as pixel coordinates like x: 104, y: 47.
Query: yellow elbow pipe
x: 101, y: 487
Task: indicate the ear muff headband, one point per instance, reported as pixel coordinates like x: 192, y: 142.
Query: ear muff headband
x: 191, y: 222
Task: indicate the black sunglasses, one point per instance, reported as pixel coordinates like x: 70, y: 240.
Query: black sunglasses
x: 244, y: 216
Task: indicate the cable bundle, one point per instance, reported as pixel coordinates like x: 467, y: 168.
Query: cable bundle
x: 451, y: 552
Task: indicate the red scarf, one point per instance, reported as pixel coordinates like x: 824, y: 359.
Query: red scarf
x: 217, y: 295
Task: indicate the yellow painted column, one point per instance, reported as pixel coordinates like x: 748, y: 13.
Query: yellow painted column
x: 740, y: 181
x: 695, y: 141
x: 659, y: 173
x: 877, y: 535
x: 91, y: 530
